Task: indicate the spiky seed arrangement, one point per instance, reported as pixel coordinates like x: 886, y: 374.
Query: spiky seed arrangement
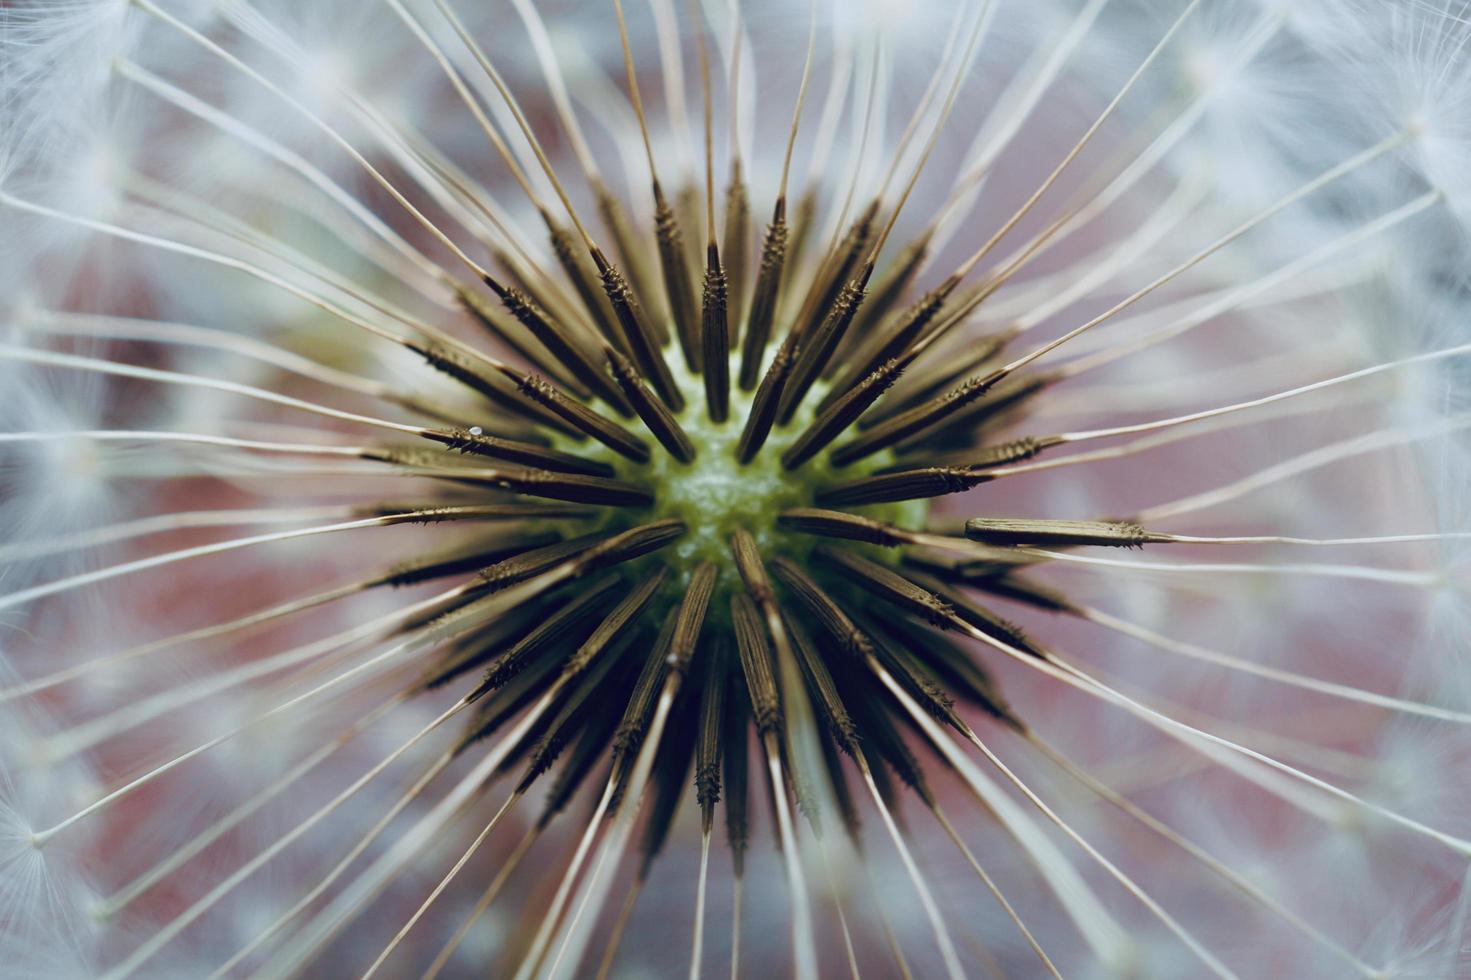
x: 695, y: 546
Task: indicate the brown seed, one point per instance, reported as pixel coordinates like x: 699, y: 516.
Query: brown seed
x: 764, y: 298
x: 691, y: 616
x: 715, y: 337
x: 1007, y: 531
x: 656, y: 417
x: 580, y: 417
x: 931, y: 481
x: 756, y: 664
x: 637, y: 337
x: 473, y: 442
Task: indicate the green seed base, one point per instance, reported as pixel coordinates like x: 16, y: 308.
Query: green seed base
x: 715, y: 494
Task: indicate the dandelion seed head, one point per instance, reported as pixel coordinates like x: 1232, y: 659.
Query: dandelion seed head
x: 388, y: 465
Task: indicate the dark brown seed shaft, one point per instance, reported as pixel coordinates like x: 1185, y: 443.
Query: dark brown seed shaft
x: 897, y: 339
x: 567, y: 486
x: 825, y: 612
x: 804, y: 224
x: 660, y: 422
x: 570, y: 718
x: 873, y: 720
x: 961, y: 673
x: 916, y: 420
x: 578, y: 612
x: 764, y: 298
x: 825, y: 691
x: 817, y: 345
x: 480, y: 646
x: 840, y: 415
x: 1006, y: 399
x: 674, y: 264
x: 835, y: 272
x: 638, y: 338
x: 922, y: 684
x: 507, y: 332
x: 584, y: 279
x: 584, y: 757
x: 671, y: 778
x: 735, y: 756
x: 1000, y: 454
x: 752, y: 571
x: 917, y: 484
x: 887, y: 584
x: 837, y: 777
x: 616, y: 621
x: 495, y: 513
x: 715, y: 338
x: 528, y: 564
x: 712, y: 730
x: 584, y: 419
x: 922, y: 384
x: 632, y: 255
x: 990, y: 563
x: 574, y: 487
x: 691, y: 617
x: 883, y: 741
x: 868, y: 328
x: 560, y: 308
x: 500, y: 706
x: 841, y: 524
x: 1011, y: 531
x: 633, y: 543
x: 433, y: 512
x: 631, y: 727
x: 747, y: 556
x: 559, y: 341
x: 766, y: 403
x: 461, y: 559
x: 755, y: 658
x: 489, y: 385
x: 969, y: 613
x: 473, y: 443
x: 736, y: 247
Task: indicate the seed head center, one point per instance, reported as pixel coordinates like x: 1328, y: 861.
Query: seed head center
x: 715, y: 494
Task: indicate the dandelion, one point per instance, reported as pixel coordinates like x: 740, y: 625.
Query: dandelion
x: 743, y: 487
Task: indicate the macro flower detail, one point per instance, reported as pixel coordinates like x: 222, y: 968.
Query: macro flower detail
x: 545, y: 489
